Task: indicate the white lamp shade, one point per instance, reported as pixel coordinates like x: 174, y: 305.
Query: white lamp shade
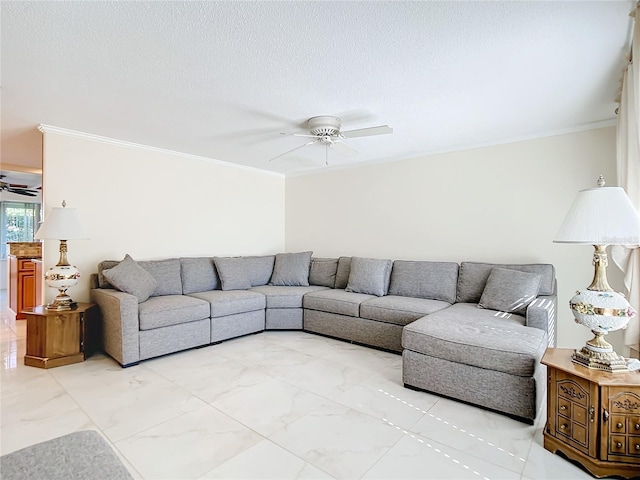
x: 601, y: 216
x: 62, y: 223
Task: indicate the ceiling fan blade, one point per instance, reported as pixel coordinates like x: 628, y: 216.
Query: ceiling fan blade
x: 343, y: 148
x: 300, y: 135
x: 366, y: 132
x: 293, y: 150
x: 27, y: 193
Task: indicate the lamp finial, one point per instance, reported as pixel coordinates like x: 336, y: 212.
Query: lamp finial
x: 601, y: 182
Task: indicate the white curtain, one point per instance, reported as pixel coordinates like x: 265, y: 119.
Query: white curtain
x: 628, y: 157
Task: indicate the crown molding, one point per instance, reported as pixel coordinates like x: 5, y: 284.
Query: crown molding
x: 611, y: 122
x: 122, y: 143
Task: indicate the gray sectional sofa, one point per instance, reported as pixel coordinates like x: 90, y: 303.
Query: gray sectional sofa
x: 472, y: 331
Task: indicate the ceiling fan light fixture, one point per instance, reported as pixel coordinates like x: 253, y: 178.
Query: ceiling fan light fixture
x: 326, y: 130
x: 324, y: 125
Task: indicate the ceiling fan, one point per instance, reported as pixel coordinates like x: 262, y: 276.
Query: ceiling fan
x: 18, y: 189
x: 325, y: 129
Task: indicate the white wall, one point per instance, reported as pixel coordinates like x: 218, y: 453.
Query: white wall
x: 153, y: 204
x: 502, y: 203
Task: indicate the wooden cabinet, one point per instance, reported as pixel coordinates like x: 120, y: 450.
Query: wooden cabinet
x: 56, y: 338
x: 22, y: 285
x: 593, y: 417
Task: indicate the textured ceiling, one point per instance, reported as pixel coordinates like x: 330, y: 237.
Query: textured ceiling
x: 222, y: 79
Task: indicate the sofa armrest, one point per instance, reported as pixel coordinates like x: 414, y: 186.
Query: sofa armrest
x: 541, y: 313
x: 120, y: 326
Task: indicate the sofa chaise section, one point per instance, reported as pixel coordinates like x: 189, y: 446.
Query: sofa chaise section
x: 478, y: 357
x: 485, y: 356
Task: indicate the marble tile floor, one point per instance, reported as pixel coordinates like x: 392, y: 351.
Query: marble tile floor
x: 278, y: 405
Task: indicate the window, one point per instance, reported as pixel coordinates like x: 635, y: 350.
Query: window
x: 19, y: 223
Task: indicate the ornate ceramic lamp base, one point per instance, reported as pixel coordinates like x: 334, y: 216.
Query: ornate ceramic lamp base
x: 602, y: 312
x: 62, y: 277
x: 608, y: 362
x: 62, y: 302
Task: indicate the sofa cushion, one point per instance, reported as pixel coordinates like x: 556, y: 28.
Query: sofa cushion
x: 323, y: 272
x: 168, y: 310
x: 399, y: 310
x: 342, y: 274
x: 434, y: 280
x: 291, y: 269
x: 473, y: 278
x: 259, y: 269
x: 167, y: 274
x: 285, y: 297
x: 232, y: 272
x: 335, y: 301
x: 230, y: 302
x: 369, y: 275
x: 487, y: 339
x: 509, y: 290
x: 198, y: 275
x: 129, y: 277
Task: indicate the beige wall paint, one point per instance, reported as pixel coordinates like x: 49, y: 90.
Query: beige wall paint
x: 155, y: 205
x: 502, y: 203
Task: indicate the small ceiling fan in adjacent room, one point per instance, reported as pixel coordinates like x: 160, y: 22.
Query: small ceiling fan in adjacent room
x: 18, y: 189
x: 326, y: 130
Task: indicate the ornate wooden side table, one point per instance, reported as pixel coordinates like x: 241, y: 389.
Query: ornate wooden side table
x: 593, y: 417
x: 56, y: 338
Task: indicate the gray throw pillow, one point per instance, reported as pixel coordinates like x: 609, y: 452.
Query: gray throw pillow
x: 131, y: 278
x: 323, y: 272
x: 232, y: 272
x: 369, y: 275
x: 509, y: 290
x: 291, y: 269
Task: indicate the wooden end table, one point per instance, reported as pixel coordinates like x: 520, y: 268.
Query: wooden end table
x: 56, y: 338
x: 593, y: 417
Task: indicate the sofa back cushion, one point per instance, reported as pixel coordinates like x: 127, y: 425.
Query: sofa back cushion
x: 198, y: 275
x: 342, y: 274
x: 323, y: 272
x: 474, y: 275
x: 102, y: 266
x: 430, y: 280
x: 259, y: 269
x: 167, y: 274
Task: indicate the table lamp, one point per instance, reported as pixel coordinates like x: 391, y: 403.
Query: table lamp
x: 62, y: 224
x: 601, y: 216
